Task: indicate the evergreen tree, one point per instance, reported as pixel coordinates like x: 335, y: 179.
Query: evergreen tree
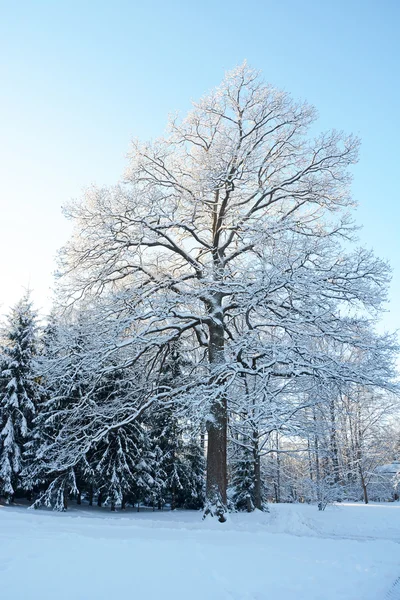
x: 65, y: 380
x: 243, y: 489
x: 167, y: 433
x: 159, y: 477
x: 115, y: 471
x: 180, y: 459
x: 145, y: 488
x: 18, y: 394
x: 47, y: 349
x: 196, y: 466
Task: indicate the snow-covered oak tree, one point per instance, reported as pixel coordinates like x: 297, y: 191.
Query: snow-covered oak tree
x: 226, y: 234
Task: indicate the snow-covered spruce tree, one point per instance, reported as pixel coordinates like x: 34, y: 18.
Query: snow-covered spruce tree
x: 194, y: 490
x: 47, y: 348
x: 90, y: 437
x: 180, y: 460
x: 122, y: 468
x: 19, y: 394
x: 125, y: 466
x: 168, y: 446
x: 66, y: 375
x: 177, y: 458
x: 237, y: 215
x: 242, y: 480
x: 157, y: 495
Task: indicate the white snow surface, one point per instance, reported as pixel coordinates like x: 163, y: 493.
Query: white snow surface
x: 347, y: 552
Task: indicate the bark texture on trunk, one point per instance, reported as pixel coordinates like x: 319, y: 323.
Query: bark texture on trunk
x: 317, y: 468
x: 278, y: 472
x: 217, y: 475
x: 364, y: 488
x: 359, y: 442
x: 258, y: 500
x: 334, y: 446
x: 216, y: 453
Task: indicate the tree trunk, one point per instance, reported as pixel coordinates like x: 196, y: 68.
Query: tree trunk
x: 359, y: 441
x: 364, y: 488
x: 65, y: 499
x: 333, y: 441
x: 216, y: 453
x: 258, y: 501
x: 278, y: 472
x: 217, y: 478
x: 203, y: 440
x: 310, y: 468
x: 317, y: 466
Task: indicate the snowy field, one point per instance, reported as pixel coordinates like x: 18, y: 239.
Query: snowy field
x: 348, y: 552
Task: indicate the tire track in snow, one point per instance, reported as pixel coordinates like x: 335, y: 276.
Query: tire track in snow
x: 394, y: 592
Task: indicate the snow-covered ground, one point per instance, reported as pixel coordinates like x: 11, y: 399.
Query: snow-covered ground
x: 348, y: 552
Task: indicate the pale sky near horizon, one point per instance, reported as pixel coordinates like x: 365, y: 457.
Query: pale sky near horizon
x: 78, y: 80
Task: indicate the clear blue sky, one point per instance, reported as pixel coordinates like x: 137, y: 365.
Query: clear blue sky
x: 78, y: 80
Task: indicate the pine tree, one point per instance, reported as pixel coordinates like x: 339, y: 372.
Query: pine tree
x: 64, y: 385
x: 181, y: 463
x: 159, y: 477
x: 115, y: 471
x: 243, y: 489
x: 18, y: 394
x: 194, y: 491
x: 166, y: 434
x: 120, y: 467
x: 144, y: 488
x: 32, y: 477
